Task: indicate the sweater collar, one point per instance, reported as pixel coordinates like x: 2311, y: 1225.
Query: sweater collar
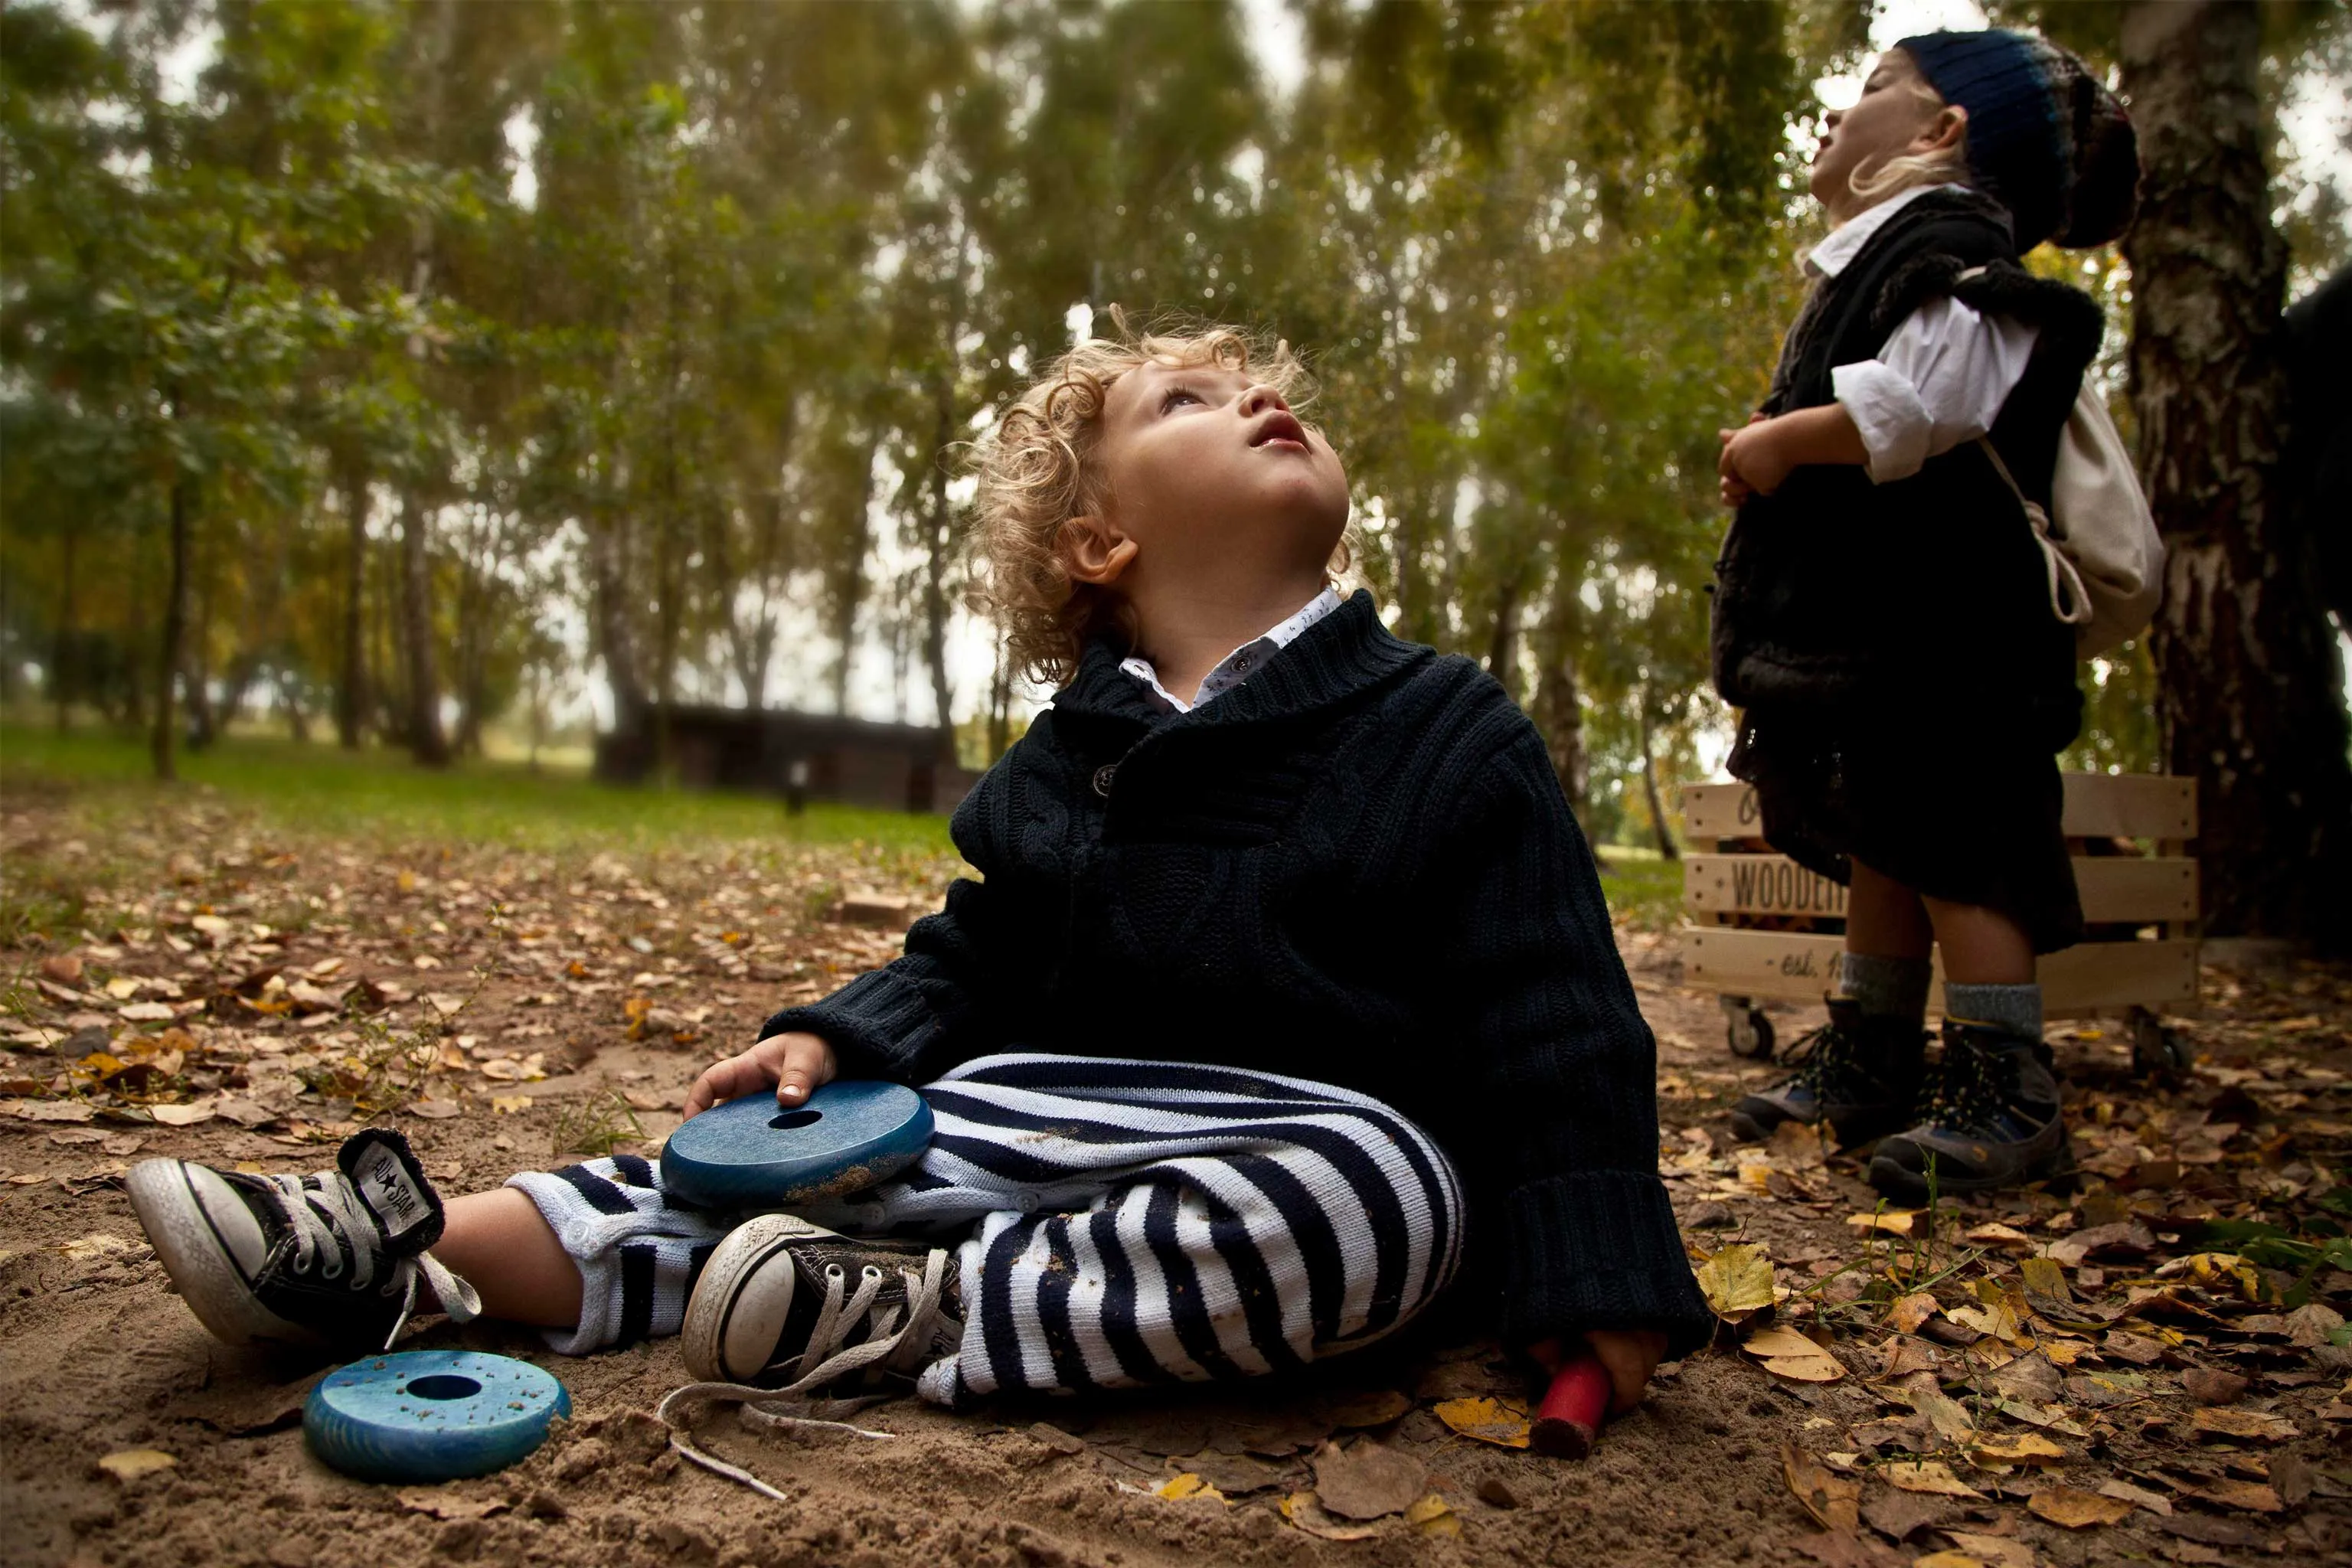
x: 1340, y: 654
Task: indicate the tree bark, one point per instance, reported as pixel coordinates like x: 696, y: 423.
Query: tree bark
x: 426, y: 741
x: 1667, y: 847
x: 939, y: 546
x: 350, y: 687
x: 204, y: 727
x: 63, y: 655
x: 176, y: 617
x: 2250, y: 685
x: 1560, y: 705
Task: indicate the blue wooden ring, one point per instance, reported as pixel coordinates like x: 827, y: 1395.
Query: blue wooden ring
x: 752, y: 1153
x: 431, y: 1415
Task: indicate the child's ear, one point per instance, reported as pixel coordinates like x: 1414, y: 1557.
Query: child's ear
x: 1095, y: 551
x: 1945, y: 132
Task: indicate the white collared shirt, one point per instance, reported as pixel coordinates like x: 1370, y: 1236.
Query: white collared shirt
x: 1940, y: 379
x: 1237, y: 666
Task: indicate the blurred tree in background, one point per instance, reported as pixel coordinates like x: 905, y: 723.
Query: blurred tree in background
x: 406, y: 366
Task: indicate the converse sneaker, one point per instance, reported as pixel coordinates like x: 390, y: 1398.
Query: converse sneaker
x: 1858, y: 1074
x: 791, y: 1306
x: 1990, y: 1119
x: 330, y: 1260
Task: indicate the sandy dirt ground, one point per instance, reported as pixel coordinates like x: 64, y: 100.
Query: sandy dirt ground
x: 1975, y: 1424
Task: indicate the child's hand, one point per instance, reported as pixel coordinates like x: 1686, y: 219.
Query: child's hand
x: 1631, y: 1355
x: 1755, y: 461
x: 795, y: 1063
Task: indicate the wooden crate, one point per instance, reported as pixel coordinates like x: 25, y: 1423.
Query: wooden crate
x: 1763, y: 928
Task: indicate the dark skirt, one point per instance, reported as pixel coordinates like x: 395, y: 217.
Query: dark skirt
x: 1953, y: 811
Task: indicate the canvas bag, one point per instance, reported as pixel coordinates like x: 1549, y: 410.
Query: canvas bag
x: 2099, y: 543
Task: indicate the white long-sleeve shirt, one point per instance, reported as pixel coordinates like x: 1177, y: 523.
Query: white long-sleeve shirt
x: 1940, y: 379
x: 1235, y: 667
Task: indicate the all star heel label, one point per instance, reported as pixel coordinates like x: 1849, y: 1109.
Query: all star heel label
x: 400, y: 1204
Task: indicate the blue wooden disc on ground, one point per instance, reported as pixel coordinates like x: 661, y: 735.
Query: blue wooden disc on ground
x: 431, y: 1415
x: 751, y: 1153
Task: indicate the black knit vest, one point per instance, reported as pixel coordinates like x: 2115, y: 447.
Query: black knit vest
x: 1838, y: 597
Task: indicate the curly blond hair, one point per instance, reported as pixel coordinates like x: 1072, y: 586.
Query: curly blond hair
x: 1036, y: 472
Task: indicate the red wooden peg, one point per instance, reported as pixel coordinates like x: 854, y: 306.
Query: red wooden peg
x: 1569, y: 1420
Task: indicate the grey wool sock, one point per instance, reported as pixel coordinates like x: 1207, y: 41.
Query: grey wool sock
x: 1886, y: 987
x: 2016, y: 1008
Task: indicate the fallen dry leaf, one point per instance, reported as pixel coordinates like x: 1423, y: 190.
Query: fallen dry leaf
x: 2006, y: 1237
x: 2076, y: 1509
x: 55, y: 1111
x: 1992, y: 1551
x: 1187, y: 1485
x: 2254, y: 1426
x: 130, y: 1464
x: 2137, y: 1496
x: 1302, y: 1510
x: 435, y: 1110
x: 2025, y: 1449
x: 1931, y: 1476
x: 1736, y: 1280
x: 1433, y: 1515
x: 1790, y: 1355
x: 182, y: 1115
x: 1832, y: 1499
x: 1882, y: 1222
x: 2251, y: 1496
x: 1494, y: 1421
x: 86, y: 1248
x: 1905, y: 1313
x: 1367, y: 1480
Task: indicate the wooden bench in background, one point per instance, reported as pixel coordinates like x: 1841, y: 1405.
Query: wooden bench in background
x: 1762, y: 928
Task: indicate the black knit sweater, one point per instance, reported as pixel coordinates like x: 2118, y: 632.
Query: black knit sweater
x: 1358, y: 868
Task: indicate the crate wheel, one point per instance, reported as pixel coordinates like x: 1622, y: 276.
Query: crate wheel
x: 2158, y: 1048
x: 1746, y: 1028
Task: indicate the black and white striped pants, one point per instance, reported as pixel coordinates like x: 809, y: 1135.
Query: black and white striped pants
x: 1120, y: 1223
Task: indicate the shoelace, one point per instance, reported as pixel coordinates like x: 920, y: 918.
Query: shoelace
x: 827, y: 1360
x: 1972, y: 1087
x: 1822, y: 1057
x: 320, y: 1217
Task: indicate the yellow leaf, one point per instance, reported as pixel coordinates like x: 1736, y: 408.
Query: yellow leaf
x: 1882, y: 1222
x: 1433, y: 1515
x: 130, y: 1464
x: 2025, y: 1449
x: 1907, y: 1312
x: 2008, y: 1238
x: 406, y: 881
x: 1494, y: 1421
x: 1948, y: 1415
x: 1834, y: 1502
x: 2076, y: 1509
x: 1736, y: 1280
x: 510, y: 1104
x: 1931, y: 1476
x: 1949, y: 1560
x: 1769, y: 1342
x: 1189, y: 1485
x: 182, y: 1115
x: 1998, y: 1322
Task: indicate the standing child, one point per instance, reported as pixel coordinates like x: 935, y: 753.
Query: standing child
x: 1286, y: 984
x: 1881, y: 613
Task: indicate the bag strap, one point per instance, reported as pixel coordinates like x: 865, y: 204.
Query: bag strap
x: 2065, y: 579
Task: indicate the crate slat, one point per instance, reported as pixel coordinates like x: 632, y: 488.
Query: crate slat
x: 2098, y: 806
x: 1794, y: 966
x: 2113, y: 887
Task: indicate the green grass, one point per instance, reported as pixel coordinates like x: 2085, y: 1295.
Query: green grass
x: 1642, y: 886
x: 382, y: 795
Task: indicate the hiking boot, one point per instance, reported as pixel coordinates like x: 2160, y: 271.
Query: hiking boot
x: 1990, y: 1119
x: 1861, y: 1074
x: 330, y: 1259
x: 791, y: 1306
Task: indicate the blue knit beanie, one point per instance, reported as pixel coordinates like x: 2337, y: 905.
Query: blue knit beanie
x: 2046, y: 139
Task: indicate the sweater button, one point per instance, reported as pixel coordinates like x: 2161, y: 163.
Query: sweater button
x: 1103, y: 777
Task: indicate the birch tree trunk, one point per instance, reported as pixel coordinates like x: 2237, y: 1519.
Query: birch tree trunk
x: 350, y: 687
x: 2250, y: 689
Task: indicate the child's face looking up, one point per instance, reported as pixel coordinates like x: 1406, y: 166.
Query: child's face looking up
x: 1217, y: 486
x: 1898, y: 115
